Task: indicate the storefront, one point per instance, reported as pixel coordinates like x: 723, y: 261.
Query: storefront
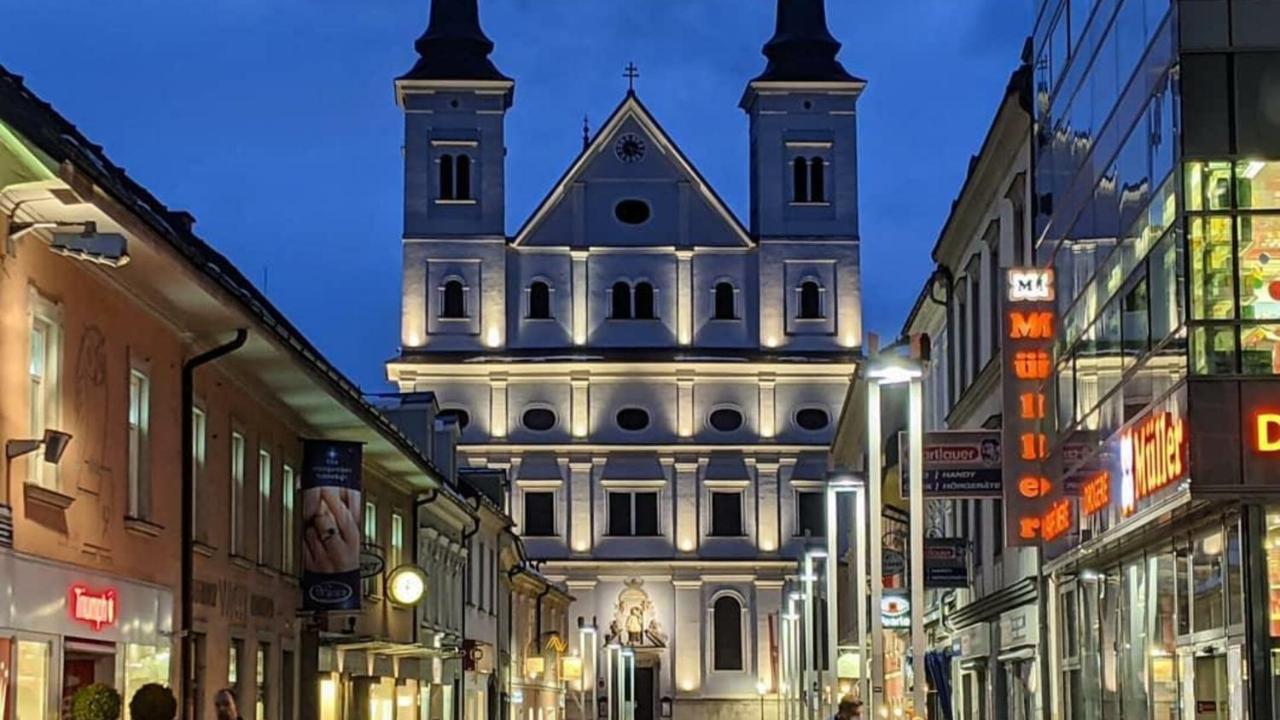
x: 62, y: 628
x: 1165, y: 599
x: 973, y: 653
x: 1018, y: 664
x: 385, y: 681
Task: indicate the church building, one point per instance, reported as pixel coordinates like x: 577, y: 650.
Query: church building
x: 659, y: 379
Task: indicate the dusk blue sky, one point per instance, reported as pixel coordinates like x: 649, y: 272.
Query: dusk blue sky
x: 274, y: 121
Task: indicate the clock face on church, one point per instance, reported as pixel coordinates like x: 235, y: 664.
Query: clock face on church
x: 629, y: 148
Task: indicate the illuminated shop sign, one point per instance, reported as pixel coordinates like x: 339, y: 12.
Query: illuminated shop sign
x: 1030, y: 285
x: 1029, y: 329
x: 95, y: 608
x: 1095, y: 493
x: 1266, y: 432
x: 895, y: 611
x: 1152, y: 456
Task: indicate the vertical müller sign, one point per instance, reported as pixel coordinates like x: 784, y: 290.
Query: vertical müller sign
x: 1029, y: 327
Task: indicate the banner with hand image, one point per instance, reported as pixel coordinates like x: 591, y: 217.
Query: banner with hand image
x: 331, y: 525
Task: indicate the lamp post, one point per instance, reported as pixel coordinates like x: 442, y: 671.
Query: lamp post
x: 889, y: 369
x: 587, y: 638
x: 844, y: 483
x: 613, y: 678
x: 629, y: 678
x: 762, y: 689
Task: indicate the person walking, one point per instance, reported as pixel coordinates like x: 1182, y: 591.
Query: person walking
x: 224, y: 705
x: 850, y: 708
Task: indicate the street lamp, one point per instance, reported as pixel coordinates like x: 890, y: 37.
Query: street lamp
x: 629, y: 696
x: 587, y: 638
x: 892, y: 369
x: 762, y: 689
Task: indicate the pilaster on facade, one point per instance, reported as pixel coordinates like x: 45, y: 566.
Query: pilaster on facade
x: 686, y: 504
x: 766, y: 472
x: 768, y: 420
x: 687, y: 638
x: 684, y: 302
x: 498, y: 405
x: 580, y: 401
x: 579, y: 261
x: 684, y: 403
x: 580, y: 529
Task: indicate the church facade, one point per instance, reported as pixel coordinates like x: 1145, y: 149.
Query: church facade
x: 659, y: 379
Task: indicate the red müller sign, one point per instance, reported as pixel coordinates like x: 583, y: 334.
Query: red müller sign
x: 95, y: 608
x: 1029, y: 329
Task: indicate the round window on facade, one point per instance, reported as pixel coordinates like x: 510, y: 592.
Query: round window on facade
x: 726, y: 419
x: 632, y: 212
x: 462, y: 416
x: 539, y: 419
x: 633, y: 419
x: 813, y: 419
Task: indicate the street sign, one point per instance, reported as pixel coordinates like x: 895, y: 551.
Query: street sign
x: 957, y: 464
x: 892, y: 562
x: 946, y: 563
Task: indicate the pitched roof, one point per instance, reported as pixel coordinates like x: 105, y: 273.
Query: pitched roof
x: 802, y: 49
x: 41, y: 125
x: 454, y: 47
x: 630, y: 108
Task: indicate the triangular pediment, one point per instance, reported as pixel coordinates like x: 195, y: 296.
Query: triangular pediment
x: 632, y: 187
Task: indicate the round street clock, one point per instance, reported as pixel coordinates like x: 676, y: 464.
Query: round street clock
x: 629, y: 148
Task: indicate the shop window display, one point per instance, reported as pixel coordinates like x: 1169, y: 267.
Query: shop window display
x: 33, y: 680
x: 144, y: 664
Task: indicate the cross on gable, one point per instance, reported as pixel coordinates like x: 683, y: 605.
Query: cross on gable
x: 631, y: 72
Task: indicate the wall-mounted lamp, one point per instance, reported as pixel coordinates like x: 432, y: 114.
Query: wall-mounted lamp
x: 55, y: 443
x: 664, y: 707
x: 602, y: 707
x: 110, y: 249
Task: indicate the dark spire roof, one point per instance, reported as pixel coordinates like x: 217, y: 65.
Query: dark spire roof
x: 802, y: 49
x: 454, y: 47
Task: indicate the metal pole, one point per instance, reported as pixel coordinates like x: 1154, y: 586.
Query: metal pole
x: 875, y: 463
x: 915, y: 428
x: 608, y: 673
x: 784, y: 669
x: 859, y: 577
x: 810, y: 633
x: 595, y: 672
x: 833, y: 599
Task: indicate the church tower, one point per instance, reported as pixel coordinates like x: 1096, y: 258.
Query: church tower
x: 804, y: 184
x: 455, y: 102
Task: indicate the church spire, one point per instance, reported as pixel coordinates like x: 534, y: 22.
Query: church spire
x: 454, y: 47
x: 802, y: 48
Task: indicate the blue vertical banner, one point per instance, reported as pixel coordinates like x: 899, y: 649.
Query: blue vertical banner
x: 331, y: 525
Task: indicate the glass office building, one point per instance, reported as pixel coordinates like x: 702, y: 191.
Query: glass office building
x: 1157, y: 188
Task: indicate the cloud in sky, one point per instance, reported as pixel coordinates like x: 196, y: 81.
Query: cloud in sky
x: 274, y: 121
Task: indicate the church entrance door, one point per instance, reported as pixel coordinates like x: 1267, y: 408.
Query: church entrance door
x: 645, y: 692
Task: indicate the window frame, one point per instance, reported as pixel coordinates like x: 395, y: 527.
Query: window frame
x: 531, y: 295
x: 199, y: 464
x: 289, y: 491
x: 819, y: 310
x: 740, y: 494
x: 799, y: 528
x: 238, y: 448
x: 743, y: 630
x: 265, y: 488
x: 45, y: 314
x: 446, y: 313
x: 632, y: 493
x: 526, y: 526
x: 369, y: 538
x: 137, y: 446
x: 733, y: 302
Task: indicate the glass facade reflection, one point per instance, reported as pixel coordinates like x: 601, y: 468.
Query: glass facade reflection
x: 1157, y: 203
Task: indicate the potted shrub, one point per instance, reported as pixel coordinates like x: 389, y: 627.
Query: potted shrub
x: 153, y: 702
x: 95, y: 702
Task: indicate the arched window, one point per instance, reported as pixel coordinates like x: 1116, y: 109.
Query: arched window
x: 463, y: 178
x: 810, y: 300
x: 446, y: 177
x: 725, y: 302
x: 454, y: 305
x: 817, y: 180
x: 539, y: 301
x: 644, y: 301
x: 726, y: 624
x: 800, y: 180
x: 621, y: 301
